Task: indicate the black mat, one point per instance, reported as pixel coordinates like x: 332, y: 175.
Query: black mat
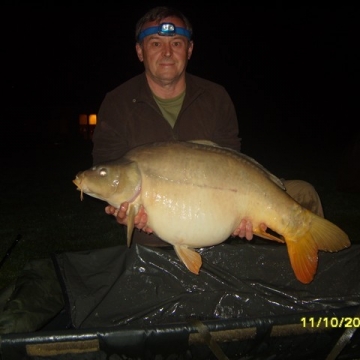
x: 145, y: 286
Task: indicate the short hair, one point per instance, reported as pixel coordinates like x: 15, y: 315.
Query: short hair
x: 159, y: 13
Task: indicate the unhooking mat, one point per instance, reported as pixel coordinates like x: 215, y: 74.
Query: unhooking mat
x: 146, y: 286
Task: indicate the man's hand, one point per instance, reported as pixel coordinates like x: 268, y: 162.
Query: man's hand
x: 245, y: 229
x: 140, y: 221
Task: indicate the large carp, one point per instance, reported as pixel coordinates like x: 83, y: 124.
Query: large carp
x: 196, y: 194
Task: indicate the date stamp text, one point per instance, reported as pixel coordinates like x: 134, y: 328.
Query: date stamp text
x: 331, y: 322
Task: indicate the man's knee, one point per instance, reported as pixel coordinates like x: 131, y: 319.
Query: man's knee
x: 305, y: 194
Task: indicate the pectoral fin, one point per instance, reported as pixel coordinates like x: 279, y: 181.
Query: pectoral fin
x: 189, y: 257
x: 130, y: 224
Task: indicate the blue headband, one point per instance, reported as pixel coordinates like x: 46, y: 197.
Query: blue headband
x: 164, y: 29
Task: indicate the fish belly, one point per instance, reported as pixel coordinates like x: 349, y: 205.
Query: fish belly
x: 185, y: 214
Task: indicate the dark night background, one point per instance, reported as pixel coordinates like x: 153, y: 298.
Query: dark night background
x: 290, y: 69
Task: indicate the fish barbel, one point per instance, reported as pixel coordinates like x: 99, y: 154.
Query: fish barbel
x: 196, y: 194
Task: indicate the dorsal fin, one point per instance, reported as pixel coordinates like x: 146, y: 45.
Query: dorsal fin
x: 204, y: 142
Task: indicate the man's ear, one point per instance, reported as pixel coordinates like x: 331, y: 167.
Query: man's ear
x: 190, y: 49
x: 139, y: 52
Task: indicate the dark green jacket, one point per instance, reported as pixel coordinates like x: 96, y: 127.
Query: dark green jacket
x: 129, y: 116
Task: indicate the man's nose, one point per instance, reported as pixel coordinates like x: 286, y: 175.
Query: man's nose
x: 167, y: 50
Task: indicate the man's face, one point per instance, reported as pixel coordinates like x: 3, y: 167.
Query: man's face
x: 165, y: 57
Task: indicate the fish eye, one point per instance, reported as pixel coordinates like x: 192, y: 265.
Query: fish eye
x: 102, y: 172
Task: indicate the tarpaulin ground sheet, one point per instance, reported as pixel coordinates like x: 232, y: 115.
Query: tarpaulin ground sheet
x: 145, y: 286
x: 143, y: 301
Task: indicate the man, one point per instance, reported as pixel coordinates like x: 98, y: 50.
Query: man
x: 167, y: 103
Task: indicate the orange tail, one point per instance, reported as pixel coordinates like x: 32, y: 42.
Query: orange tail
x: 303, y: 251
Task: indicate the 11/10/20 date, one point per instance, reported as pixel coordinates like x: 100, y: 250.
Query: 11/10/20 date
x: 331, y: 322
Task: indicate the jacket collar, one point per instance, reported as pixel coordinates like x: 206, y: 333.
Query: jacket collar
x: 193, y: 89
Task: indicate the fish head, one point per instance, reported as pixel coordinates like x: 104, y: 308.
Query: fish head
x: 114, y: 182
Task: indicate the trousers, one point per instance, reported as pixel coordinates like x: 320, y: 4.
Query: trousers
x: 305, y: 194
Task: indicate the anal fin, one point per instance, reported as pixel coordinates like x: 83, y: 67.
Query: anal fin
x: 189, y: 257
x: 269, y: 235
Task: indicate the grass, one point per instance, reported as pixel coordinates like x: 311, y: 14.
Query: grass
x: 40, y: 203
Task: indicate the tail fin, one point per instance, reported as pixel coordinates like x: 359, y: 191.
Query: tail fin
x: 328, y: 236
x: 303, y: 252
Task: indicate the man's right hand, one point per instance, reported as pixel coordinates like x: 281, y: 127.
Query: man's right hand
x: 140, y: 220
